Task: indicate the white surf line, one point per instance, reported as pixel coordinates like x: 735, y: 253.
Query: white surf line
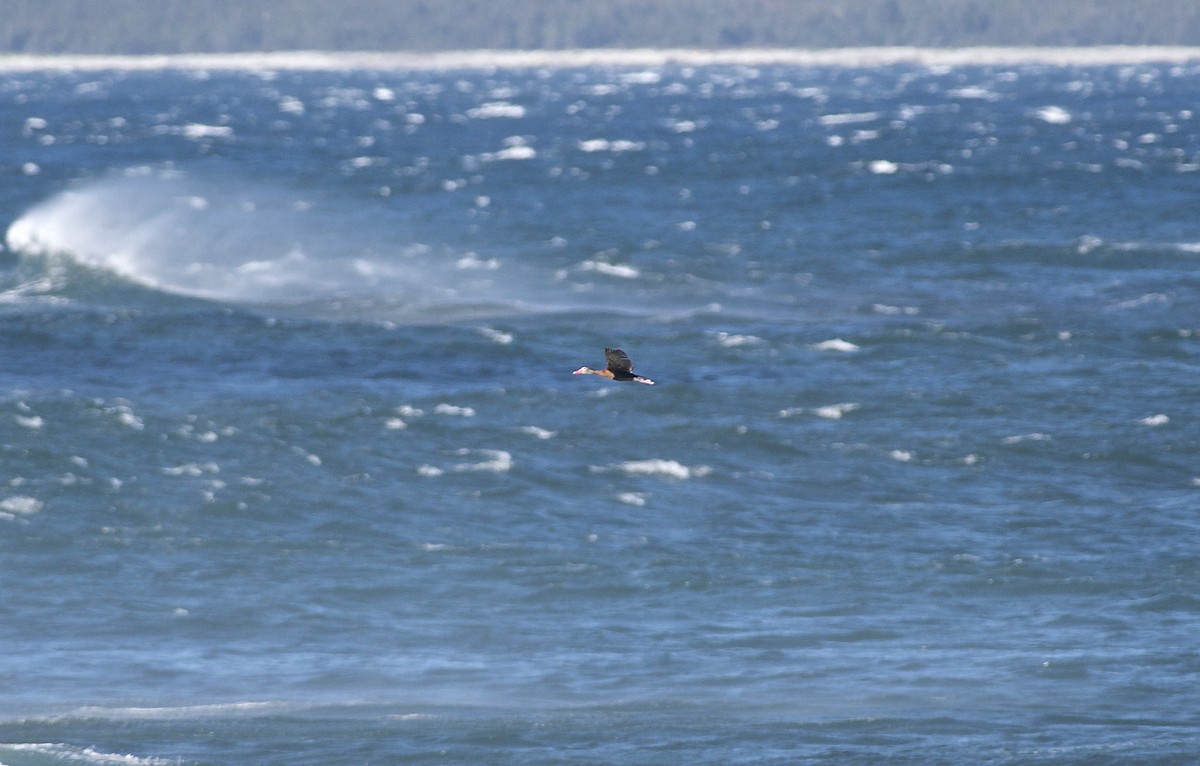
x: 509, y: 59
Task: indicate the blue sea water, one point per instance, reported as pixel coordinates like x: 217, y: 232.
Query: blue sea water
x: 293, y: 468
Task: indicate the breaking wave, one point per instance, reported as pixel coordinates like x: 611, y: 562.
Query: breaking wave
x: 247, y: 243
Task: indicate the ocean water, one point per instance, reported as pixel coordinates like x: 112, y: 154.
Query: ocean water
x: 293, y: 468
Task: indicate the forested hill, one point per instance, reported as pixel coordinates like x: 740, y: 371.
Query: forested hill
x: 225, y: 26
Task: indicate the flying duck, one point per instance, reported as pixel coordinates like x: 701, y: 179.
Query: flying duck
x: 618, y: 367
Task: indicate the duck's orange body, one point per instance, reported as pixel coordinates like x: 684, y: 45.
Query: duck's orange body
x: 618, y: 367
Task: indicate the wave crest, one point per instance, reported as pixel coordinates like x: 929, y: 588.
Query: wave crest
x: 227, y: 240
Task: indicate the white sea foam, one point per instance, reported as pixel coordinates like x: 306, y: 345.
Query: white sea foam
x: 848, y: 118
x: 632, y: 498
x: 888, y: 310
x: 1149, y: 299
x: 731, y: 340
x: 56, y: 753
x: 1155, y: 420
x: 127, y: 418
x: 192, y: 469
x: 251, y: 244
x: 974, y: 92
x: 836, y: 344
x: 671, y: 469
x: 1019, y: 438
x: 1054, y: 115
x: 19, y: 505
x: 540, y: 433
x: 495, y: 110
x: 836, y: 411
x: 515, y: 152
x: 198, y: 131
x: 453, y: 409
x: 605, y: 145
x: 472, y: 262
x: 610, y: 269
x: 495, y: 460
x: 633, y: 57
x: 498, y: 336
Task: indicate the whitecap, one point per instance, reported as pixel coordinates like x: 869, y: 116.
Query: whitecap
x: 497, y: 461
x: 33, y: 422
x: 511, y: 153
x: 127, y: 418
x: 498, y: 336
x: 429, y: 470
x: 1019, y: 438
x: 730, y: 340
x: 632, y: 498
x: 611, y: 269
x: 645, y: 77
x: 496, y: 109
x: 470, y: 261
x: 883, y: 167
x: 269, y: 63
x: 889, y: 310
x: 848, y: 118
x: 903, y: 456
x: 836, y: 411
x: 19, y: 505
x: 1155, y: 420
x: 540, y: 433
x: 974, y: 92
x: 605, y: 145
x: 192, y: 469
x: 291, y: 105
x: 197, y: 131
x: 837, y: 344
x: 452, y: 409
x: 672, y: 469
x: 1053, y: 115
x: 683, y: 126
x: 56, y: 753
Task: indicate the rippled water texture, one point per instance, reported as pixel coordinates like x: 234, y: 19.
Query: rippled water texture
x: 293, y: 468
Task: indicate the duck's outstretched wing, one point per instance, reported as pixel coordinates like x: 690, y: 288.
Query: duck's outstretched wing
x: 618, y: 361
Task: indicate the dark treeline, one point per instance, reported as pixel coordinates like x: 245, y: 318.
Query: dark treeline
x: 219, y: 26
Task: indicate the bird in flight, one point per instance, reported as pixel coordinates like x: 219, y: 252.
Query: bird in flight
x: 617, y: 367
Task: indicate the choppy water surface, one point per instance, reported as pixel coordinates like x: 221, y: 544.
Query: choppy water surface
x: 293, y: 468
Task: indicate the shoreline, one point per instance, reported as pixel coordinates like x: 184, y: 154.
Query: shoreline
x: 614, y: 57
